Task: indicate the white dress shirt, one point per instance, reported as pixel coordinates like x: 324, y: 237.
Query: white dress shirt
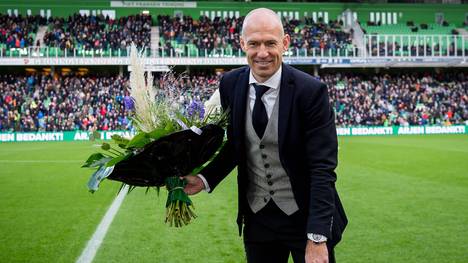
x: 269, y: 98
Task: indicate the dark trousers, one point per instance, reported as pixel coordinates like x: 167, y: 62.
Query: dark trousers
x: 270, y: 236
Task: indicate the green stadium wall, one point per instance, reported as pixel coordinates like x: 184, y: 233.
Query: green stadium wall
x: 347, y: 131
x: 419, y: 13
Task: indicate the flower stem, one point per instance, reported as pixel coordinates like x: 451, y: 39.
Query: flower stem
x: 178, y: 211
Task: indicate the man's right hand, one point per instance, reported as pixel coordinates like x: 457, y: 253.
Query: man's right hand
x: 194, y: 184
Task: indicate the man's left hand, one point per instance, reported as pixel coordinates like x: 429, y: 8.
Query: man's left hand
x: 316, y: 253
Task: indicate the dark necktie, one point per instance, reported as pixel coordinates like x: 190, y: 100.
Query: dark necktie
x: 259, y: 114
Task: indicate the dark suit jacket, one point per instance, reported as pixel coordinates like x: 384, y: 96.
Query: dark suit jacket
x: 307, y: 147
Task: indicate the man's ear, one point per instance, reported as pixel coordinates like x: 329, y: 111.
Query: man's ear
x: 242, y: 44
x: 286, y: 42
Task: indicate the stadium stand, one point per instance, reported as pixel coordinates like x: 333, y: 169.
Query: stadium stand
x: 309, y: 37
x: 87, y: 33
x: 399, y: 99
x: 184, y: 36
x: 405, y: 39
x: 44, y: 103
x: 18, y: 31
x: 81, y: 35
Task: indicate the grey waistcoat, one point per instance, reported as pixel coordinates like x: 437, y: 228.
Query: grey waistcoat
x: 267, y: 177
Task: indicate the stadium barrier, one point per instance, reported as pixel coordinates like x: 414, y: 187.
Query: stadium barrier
x: 359, y: 58
x: 342, y: 131
x: 401, y: 130
x: 401, y: 45
x: 57, y: 136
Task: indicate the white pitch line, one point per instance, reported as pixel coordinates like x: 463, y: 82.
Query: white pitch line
x: 41, y: 161
x: 94, y: 243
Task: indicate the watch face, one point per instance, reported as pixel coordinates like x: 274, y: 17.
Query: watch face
x: 317, y: 238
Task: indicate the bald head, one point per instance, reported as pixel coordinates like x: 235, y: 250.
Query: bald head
x: 262, y: 17
x: 263, y: 40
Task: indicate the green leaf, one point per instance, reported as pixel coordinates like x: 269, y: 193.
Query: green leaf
x: 169, y: 127
x: 157, y: 133
x: 118, y: 159
x: 139, y: 141
x: 93, y: 158
x: 119, y: 140
x: 183, y: 119
x: 123, y: 146
x: 105, y: 146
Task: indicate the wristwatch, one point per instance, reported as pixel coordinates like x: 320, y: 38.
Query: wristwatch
x: 317, y: 238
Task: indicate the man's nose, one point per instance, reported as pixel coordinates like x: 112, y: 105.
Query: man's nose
x: 262, y: 52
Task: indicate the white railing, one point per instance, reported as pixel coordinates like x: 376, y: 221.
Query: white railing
x: 55, y: 52
x: 375, y: 46
x: 379, y: 50
x: 416, y: 45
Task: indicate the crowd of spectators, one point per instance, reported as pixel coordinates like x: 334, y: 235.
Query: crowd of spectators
x: 99, y: 32
x: 184, y: 88
x: 204, y: 33
x: 311, y: 37
x: 45, y: 103
x: 399, y: 99
x: 18, y: 31
x: 307, y: 36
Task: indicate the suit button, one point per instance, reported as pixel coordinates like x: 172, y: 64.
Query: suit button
x: 265, y: 199
x: 272, y: 192
x: 262, y: 146
x: 267, y: 165
x: 264, y: 156
x: 268, y: 176
x: 270, y: 183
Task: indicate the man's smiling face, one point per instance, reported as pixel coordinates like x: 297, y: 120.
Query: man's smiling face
x: 264, y: 42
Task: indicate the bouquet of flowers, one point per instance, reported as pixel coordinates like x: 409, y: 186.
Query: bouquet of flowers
x: 171, y: 141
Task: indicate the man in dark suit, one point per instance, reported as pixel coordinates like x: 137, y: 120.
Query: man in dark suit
x: 282, y: 137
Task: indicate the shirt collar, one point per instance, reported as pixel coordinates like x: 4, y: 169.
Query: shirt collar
x: 273, y: 82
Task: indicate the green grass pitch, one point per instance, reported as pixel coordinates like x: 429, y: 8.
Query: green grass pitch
x: 406, y: 198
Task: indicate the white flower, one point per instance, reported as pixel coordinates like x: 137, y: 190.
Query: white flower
x: 213, y: 105
x: 143, y: 93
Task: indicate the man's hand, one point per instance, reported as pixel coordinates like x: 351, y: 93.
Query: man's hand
x: 194, y: 184
x: 316, y: 253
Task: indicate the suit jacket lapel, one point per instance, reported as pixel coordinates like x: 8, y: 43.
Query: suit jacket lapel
x: 285, y: 104
x: 240, y: 103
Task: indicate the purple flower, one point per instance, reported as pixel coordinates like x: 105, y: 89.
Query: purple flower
x: 196, y: 108
x: 128, y: 103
